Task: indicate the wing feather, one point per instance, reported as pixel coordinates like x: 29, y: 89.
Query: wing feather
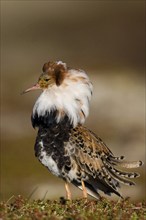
x: 97, y: 161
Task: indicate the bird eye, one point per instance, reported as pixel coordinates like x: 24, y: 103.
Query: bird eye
x: 47, y: 80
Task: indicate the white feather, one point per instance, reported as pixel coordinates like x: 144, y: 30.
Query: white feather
x: 71, y: 97
x: 48, y: 162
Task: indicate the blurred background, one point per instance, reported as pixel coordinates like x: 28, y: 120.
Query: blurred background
x: 104, y: 38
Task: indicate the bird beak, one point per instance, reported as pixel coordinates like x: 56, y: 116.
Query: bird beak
x: 35, y: 87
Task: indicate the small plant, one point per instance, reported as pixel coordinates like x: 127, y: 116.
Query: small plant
x: 79, y: 209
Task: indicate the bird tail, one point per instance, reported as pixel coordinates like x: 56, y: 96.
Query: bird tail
x: 119, y: 161
x: 109, y: 178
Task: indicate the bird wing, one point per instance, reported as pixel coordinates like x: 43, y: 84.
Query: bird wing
x: 96, y: 160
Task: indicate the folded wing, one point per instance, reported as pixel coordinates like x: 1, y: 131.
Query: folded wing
x: 100, y: 167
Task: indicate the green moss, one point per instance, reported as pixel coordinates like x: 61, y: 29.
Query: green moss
x: 23, y: 209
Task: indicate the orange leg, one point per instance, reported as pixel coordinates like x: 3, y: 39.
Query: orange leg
x: 68, y: 192
x: 84, y: 190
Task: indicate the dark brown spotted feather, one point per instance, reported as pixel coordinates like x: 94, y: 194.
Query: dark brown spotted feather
x: 96, y: 163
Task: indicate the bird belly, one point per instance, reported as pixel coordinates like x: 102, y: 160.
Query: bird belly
x: 48, y: 162
x: 72, y: 175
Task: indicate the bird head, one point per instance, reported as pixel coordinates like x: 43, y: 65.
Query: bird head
x: 53, y: 74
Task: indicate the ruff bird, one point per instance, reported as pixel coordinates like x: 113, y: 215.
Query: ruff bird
x: 63, y: 145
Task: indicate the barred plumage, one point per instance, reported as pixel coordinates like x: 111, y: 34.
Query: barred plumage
x: 67, y: 148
